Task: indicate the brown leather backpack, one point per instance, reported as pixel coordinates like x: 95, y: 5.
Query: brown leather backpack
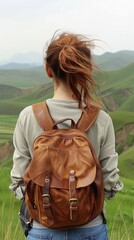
x: 64, y: 182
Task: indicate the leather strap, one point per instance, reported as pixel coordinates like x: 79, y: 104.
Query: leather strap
x: 73, y: 197
x: 88, y: 117
x: 43, y: 116
x: 30, y: 189
x: 46, y: 122
x: 46, y: 196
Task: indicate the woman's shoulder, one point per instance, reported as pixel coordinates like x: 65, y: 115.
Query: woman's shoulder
x: 103, y: 114
x: 27, y: 119
x: 103, y: 118
x: 26, y: 116
x: 27, y: 111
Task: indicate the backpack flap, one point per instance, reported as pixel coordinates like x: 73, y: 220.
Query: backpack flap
x: 54, y: 154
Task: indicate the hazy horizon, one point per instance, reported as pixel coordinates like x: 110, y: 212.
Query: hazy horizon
x: 28, y: 25
x: 32, y: 54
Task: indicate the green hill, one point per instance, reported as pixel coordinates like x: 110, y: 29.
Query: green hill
x: 23, y: 78
x: 126, y: 163
x: 7, y: 92
x: 14, y: 104
x: 121, y: 118
x: 117, y: 88
x: 122, y: 78
x: 113, y: 61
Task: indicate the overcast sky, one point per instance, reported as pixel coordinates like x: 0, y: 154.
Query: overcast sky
x: 26, y: 25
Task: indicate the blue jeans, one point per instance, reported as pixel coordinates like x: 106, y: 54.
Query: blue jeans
x: 94, y: 233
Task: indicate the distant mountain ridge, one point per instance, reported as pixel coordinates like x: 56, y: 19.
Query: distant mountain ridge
x: 114, y: 61
x: 22, y: 60
x: 15, y: 66
x: 108, y: 61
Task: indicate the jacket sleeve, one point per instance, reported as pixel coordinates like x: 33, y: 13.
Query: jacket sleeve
x: 109, y: 158
x: 21, y: 159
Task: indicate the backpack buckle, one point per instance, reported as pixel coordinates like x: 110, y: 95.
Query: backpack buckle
x: 73, y: 200
x: 46, y: 200
x: 73, y: 208
x: 46, y: 195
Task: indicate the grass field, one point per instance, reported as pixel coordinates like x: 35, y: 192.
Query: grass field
x: 119, y: 211
x: 7, y: 124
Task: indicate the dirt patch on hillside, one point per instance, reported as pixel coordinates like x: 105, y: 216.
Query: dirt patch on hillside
x: 113, y: 98
x: 125, y: 136
x: 5, y: 151
x: 110, y: 103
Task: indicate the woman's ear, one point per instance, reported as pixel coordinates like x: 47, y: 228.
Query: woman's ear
x: 48, y: 71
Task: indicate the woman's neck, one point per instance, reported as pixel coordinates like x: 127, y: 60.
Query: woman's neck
x: 62, y: 91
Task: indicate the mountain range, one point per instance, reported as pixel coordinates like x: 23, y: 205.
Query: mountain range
x: 113, y: 61
x: 108, y: 61
x: 22, y: 60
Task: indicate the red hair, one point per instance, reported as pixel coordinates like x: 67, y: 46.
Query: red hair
x: 69, y: 57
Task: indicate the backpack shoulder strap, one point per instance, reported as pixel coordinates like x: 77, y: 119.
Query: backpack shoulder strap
x: 46, y: 122
x: 43, y: 116
x: 87, y: 118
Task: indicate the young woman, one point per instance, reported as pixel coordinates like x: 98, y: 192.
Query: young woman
x: 68, y: 63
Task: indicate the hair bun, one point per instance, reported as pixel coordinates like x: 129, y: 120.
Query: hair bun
x: 66, y: 46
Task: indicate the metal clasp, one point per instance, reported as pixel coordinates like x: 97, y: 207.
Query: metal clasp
x: 46, y: 195
x: 73, y: 200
